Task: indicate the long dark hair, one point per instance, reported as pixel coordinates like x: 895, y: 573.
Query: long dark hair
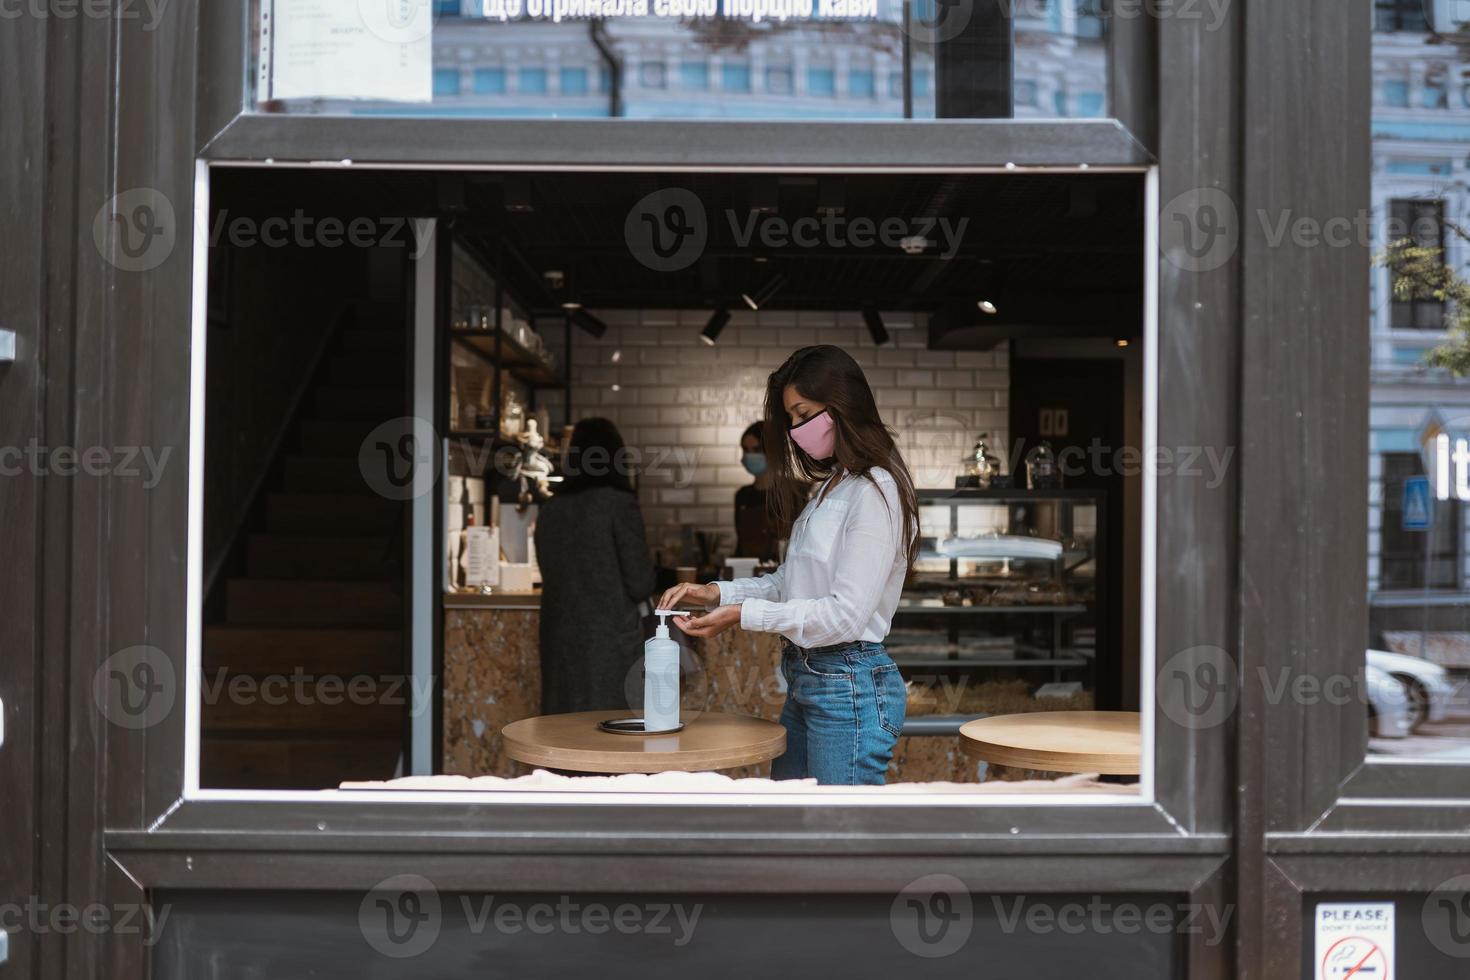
x: 595, y: 458
x: 829, y: 375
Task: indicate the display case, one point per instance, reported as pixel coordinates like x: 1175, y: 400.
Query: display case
x: 1008, y: 587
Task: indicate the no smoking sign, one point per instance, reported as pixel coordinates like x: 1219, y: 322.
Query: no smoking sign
x: 1355, y: 939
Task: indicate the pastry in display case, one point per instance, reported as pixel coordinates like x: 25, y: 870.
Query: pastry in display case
x: 1007, y: 587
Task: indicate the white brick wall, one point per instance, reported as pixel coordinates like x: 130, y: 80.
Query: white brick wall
x: 673, y: 392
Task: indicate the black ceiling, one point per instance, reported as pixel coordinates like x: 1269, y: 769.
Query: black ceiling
x: 1056, y: 248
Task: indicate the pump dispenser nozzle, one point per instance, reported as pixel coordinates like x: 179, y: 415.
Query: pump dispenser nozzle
x: 663, y: 624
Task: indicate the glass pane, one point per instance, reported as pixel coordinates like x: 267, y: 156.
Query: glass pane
x: 1418, y: 699
x: 685, y: 59
x: 1027, y: 454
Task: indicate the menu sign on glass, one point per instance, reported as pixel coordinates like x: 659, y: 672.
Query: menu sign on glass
x: 346, y: 49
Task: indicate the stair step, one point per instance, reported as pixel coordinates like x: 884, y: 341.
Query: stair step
x: 367, y: 370
x: 276, y: 602
x: 332, y: 513
x: 335, y: 437
x: 283, y: 650
x: 309, y: 556
x: 295, y: 762
x: 378, y: 402
x: 372, y: 338
x: 324, y: 474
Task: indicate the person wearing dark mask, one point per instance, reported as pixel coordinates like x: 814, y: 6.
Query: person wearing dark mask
x: 756, y: 531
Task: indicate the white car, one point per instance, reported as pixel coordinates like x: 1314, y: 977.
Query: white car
x: 1389, y: 715
x: 1427, y: 685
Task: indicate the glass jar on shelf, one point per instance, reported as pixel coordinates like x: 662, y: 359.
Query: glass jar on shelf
x: 1042, y: 471
x: 513, y: 419
x: 980, y: 467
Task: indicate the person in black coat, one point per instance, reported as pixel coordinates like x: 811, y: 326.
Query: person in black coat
x: 595, y: 573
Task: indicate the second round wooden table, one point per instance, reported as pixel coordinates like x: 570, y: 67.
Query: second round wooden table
x: 1106, y: 742
x: 709, y: 740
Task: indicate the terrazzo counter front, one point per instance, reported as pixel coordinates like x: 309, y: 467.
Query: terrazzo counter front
x: 492, y: 677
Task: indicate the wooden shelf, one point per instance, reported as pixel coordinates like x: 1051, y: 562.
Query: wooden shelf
x: 521, y: 362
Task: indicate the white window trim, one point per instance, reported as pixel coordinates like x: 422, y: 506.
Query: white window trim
x: 1145, y: 797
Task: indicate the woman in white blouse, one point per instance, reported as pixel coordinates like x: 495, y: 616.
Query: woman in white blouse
x: 853, y: 543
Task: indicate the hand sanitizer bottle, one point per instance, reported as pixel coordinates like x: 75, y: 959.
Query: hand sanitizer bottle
x: 661, y: 678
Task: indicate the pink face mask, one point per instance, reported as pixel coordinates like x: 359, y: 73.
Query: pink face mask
x: 817, y: 436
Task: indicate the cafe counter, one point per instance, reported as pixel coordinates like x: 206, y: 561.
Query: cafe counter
x: 492, y: 677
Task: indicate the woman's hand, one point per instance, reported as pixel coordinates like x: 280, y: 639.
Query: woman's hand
x: 711, y: 623
x: 705, y: 595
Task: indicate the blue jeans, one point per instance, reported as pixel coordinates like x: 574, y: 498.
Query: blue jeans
x: 844, y: 710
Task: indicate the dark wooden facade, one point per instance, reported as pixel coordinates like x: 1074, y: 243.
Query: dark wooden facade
x: 1266, y: 353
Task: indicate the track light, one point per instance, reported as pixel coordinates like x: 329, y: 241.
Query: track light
x: 765, y: 195
x: 517, y: 194
x: 711, y: 331
x: 874, y: 321
x: 587, y: 321
x: 757, y: 298
x: 830, y: 198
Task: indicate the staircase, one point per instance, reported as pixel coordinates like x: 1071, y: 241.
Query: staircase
x: 304, y: 676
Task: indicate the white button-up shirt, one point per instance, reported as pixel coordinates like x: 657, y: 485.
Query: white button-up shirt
x: 843, y: 573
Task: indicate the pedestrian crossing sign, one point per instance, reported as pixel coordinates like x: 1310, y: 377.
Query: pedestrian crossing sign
x: 1418, y: 514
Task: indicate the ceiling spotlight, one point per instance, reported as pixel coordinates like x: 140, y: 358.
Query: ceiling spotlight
x: 765, y: 195
x: 986, y: 306
x: 711, y: 331
x: 914, y: 244
x: 830, y: 198
x: 1121, y: 341
x: 516, y: 192
x: 586, y: 321
x: 874, y: 321
x: 757, y: 298
x: 570, y: 304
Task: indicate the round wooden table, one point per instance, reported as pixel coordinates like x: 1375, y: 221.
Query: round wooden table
x: 709, y: 740
x: 1107, y: 742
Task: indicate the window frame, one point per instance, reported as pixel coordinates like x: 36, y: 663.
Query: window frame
x: 1413, y: 307
x: 1176, y: 842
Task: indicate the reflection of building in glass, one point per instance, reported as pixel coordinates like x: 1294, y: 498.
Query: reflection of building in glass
x: 1421, y: 134
x: 733, y: 69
